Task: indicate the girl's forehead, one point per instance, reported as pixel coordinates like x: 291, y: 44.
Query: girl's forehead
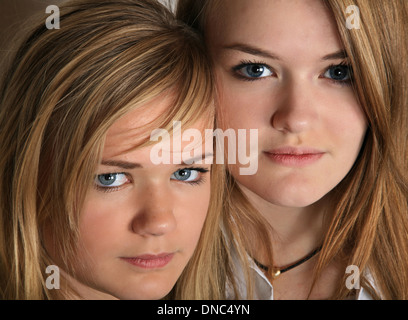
x: 139, y: 125
x: 170, y: 148
x: 141, y: 117
x: 289, y: 31
x: 258, y: 17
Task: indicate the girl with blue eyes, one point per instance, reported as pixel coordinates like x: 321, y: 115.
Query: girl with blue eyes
x: 325, y: 215
x: 78, y: 190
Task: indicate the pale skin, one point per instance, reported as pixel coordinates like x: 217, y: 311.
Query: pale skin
x: 281, y: 68
x: 135, y: 208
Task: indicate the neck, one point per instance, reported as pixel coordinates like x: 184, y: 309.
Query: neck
x: 295, y: 232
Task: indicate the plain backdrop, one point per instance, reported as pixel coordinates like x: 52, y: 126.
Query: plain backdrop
x: 16, y: 17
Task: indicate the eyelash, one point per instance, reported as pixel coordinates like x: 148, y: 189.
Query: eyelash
x: 341, y: 82
x: 197, y: 182
x: 117, y: 188
x: 246, y: 63
x: 108, y: 189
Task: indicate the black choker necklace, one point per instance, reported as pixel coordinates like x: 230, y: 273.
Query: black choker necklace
x: 277, y: 271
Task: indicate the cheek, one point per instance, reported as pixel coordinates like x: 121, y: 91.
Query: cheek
x: 241, y: 108
x: 191, y: 212
x: 100, y: 227
x: 347, y: 128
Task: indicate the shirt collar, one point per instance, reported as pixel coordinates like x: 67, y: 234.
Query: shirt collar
x: 263, y: 289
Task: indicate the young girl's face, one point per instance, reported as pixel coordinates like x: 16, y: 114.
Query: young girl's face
x: 281, y: 68
x: 141, y: 222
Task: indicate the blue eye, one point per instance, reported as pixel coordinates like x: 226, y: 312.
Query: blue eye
x: 110, y: 180
x: 253, y: 70
x: 191, y: 175
x: 185, y: 175
x: 341, y: 73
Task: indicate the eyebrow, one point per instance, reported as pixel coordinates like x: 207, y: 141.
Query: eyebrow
x: 341, y: 54
x: 199, y: 158
x: 132, y: 165
x: 252, y: 50
x: 121, y: 164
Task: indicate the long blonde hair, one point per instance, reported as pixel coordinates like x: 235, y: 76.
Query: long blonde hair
x: 369, y: 228
x: 62, y: 92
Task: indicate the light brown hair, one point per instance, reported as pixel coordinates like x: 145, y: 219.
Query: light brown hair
x: 369, y: 227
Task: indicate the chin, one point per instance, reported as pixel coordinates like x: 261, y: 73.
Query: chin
x: 296, y: 198
x: 289, y: 197
x: 142, y: 293
x: 293, y: 203
x: 153, y: 287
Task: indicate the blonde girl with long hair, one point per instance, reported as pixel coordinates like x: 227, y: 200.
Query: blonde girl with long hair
x: 325, y: 83
x: 84, y: 211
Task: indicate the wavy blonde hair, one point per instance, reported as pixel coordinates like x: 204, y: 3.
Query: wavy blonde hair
x: 63, y: 90
x: 369, y: 227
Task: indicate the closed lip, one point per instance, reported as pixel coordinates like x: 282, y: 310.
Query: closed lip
x: 295, y: 151
x: 150, y: 261
x: 295, y: 156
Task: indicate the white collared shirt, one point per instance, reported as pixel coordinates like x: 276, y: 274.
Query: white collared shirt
x: 263, y: 289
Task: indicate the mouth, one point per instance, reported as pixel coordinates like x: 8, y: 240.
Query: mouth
x: 294, y: 157
x: 150, y: 261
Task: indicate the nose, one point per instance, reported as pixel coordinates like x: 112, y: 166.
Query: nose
x: 296, y: 110
x: 156, y: 216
